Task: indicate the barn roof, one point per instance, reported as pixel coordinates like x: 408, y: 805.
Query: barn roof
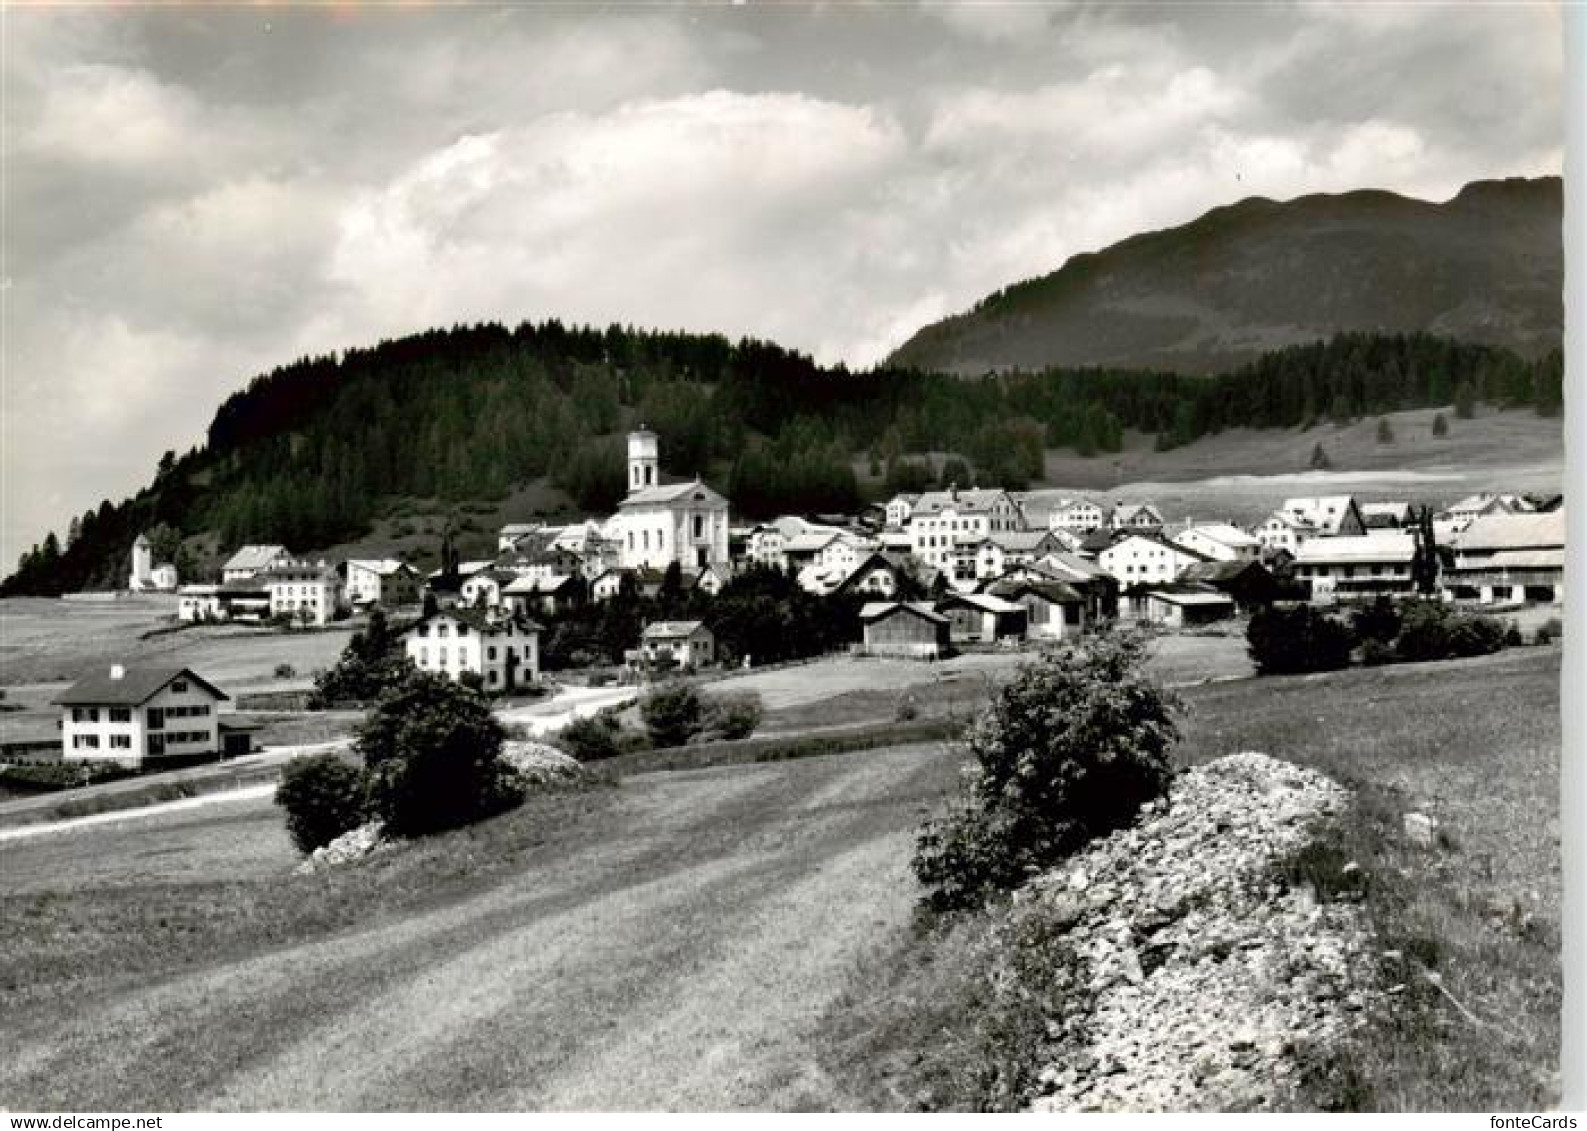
x: 254, y: 557
x: 1514, y: 532
x: 879, y: 610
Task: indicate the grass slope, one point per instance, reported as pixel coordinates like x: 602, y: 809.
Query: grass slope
x: 1474, y: 743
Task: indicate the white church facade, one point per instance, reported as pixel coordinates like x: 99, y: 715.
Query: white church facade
x: 145, y: 576
x: 661, y: 523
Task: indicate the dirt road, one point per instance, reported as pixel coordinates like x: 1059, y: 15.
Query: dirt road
x: 671, y: 954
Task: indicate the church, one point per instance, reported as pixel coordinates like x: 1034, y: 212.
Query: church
x: 661, y: 523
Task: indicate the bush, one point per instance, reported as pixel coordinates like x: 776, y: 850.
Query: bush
x: 908, y: 708
x: 734, y: 716
x: 1068, y: 751
x: 1301, y: 639
x: 1378, y: 621
x: 673, y: 714
x: 1547, y: 632
x: 285, y: 671
x: 1512, y: 636
x: 1376, y: 653
x: 1430, y: 630
x: 324, y: 796
x: 433, y: 749
x: 591, y: 738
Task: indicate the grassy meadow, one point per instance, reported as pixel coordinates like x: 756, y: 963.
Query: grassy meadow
x: 1475, y: 744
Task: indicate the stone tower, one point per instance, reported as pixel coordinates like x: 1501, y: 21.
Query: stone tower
x: 142, y: 576
x: 643, y: 460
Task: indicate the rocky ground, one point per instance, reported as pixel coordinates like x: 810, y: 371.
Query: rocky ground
x: 1208, y: 971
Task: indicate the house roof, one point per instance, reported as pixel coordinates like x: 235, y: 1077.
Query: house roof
x: 1057, y: 592
x: 972, y: 501
x: 986, y: 602
x: 1157, y: 540
x: 1200, y: 597
x: 878, y: 610
x: 254, y: 557
x: 1376, y: 546
x: 477, y: 619
x: 1514, y: 532
x: 385, y: 567
x: 136, y: 686
x: 522, y: 586
x: 1294, y: 521
x: 1125, y: 512
x: 809, y: 542
x: 1219, y: 571
x: 671, y: 493
x: 1222, y: 532
x: 671, y: 629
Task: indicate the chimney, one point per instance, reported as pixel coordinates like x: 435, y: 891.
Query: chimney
x: 117, y: 671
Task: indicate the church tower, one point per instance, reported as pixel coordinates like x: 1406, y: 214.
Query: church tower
x: 142, y: 575
x: 643, y: 461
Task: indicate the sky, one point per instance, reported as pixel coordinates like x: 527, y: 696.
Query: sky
x: 191, y: 195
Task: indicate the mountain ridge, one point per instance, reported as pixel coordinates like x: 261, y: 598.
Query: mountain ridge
x: 1257, y: 274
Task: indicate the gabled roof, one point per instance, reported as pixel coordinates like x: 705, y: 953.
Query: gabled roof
x: 1126, y: 512
x: 1222, y: 532
x: 671, y: 629
x: 973, y: 501
x: 476, y: 619
x: 135, y: 687
x: 672, y: 493
x: 254, y: 557
x: 385, y: 567
x: 1157, y: 540
x: 1377, y: 546
x: 809, y: 542
x: 986, y: 602
x: 1057, y: 592
x: 1189, y: 596
x: 877, y: 610
x: 1220, y: 571
x: 1514, y: 532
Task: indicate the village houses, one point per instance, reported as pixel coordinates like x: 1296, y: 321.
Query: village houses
x: 380, y: 581
x: 1513, y: 557
x: 131, y: 715
x: 1360, y: 565
x: 1219, y: 541
x: 687, y: 644
x: 941, y: 519
x: 502, y: 650
x: 1146, y: 559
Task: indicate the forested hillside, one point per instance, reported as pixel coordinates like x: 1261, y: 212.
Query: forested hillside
x: 310, y: 454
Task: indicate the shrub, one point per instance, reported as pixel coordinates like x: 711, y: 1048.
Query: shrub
x: 1378, y: 621
x: 1430, y: 630
x: 1301, y: 639
x: 591, y: 738
x: 1512, y: 636
x: 433, y: 749
x: 1067, y: 751
x: 1547, y: 632
x: 1440, y: 425
x: 1375, y: 652
x: 673, y: 714
x: 908, y: 708
x: 736, y: 715
x: 324, y: 796
x: 285, y: 671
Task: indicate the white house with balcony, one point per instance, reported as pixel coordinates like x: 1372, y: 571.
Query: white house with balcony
x: 131, y: 715
x: 1359, y: 565
x: 307, y: 591
x: 502, y: 650
x: 942, y: 520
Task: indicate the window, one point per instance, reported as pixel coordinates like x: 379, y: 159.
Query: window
x: 424, y: 657
x: 490, y: 653
x: 85, y: 714
x: 121, y: 714
x: 443, y: 630
x: 699, y: 526
x: 85, y: 742
x: 121, y: 742
x: 179, y: 686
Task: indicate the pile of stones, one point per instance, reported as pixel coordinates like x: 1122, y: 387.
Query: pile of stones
x: 1209, y: 977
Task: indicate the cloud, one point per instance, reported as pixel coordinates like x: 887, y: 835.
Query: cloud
x: 194, y: 197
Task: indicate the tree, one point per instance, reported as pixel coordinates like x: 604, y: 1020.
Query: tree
x: 1284, y: 641
x: 1465, y: 401
x: 955, y: 473
x: 1319, y: 459
x: 1440, y: 425
x: 433, y: 752
x: 374, y: 663
x: 1385, y: 431
x: 673, y: 714
x: 1068, y: 751
x: 324, y: 796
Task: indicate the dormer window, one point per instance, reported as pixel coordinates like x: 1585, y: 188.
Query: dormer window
x: 178, y: 686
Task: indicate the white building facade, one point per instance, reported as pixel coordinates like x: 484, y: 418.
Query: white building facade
x: 503, y: 651
x: 132, y: 715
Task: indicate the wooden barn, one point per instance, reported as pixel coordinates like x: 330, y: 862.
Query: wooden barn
x: 980, y: 618
x: 902, y: 628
